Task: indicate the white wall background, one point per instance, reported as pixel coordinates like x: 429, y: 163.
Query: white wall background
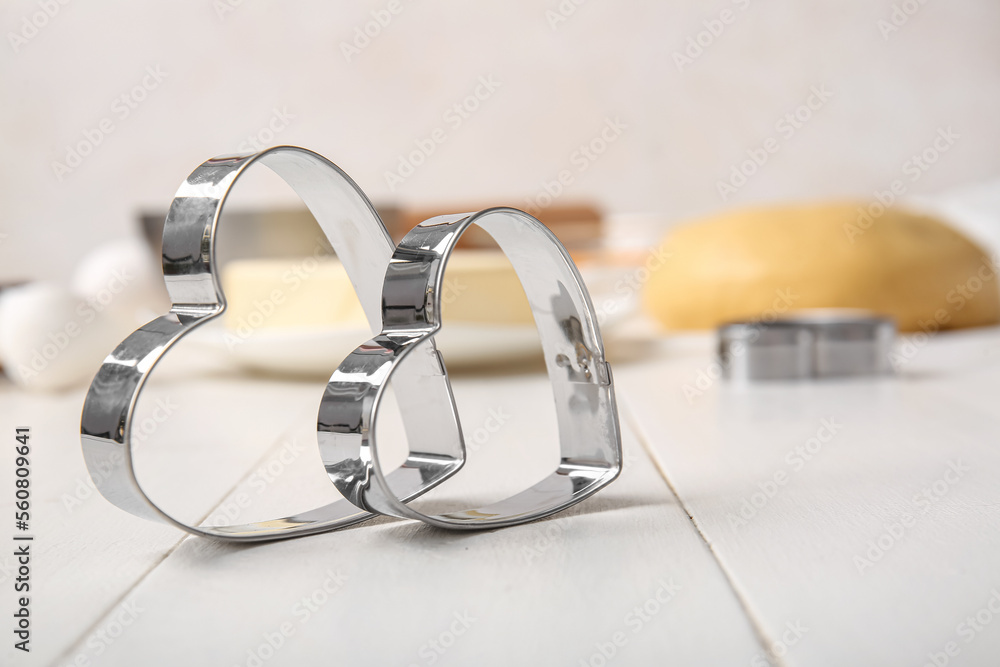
x: 227, y: 71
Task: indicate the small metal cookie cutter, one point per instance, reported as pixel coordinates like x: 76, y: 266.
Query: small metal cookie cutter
x: 817, y: 343
x: 590, y: 441
x: 189, y: 268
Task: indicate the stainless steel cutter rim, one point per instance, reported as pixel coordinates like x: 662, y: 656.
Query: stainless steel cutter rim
x: 363, y: 246
x: 590, y: 439
x: 807, y: 344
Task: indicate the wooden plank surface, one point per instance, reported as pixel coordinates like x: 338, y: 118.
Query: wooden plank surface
x: 836, y: 523
x: 626, y: 565
x: 87, y: 553
x: 863, y: 511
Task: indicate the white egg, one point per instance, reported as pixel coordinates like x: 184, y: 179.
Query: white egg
x: 123, y: 279
x: 50, y: 339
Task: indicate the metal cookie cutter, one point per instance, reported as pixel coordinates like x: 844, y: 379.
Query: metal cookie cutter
x: 590, y: 441
x: 189, y: 268
x: 812, y: 344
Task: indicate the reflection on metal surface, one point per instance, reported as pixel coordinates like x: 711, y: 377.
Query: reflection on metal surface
x: 400, y: 291
x: 590, y: 442
x: 189, y: 267
x: 810, y: 344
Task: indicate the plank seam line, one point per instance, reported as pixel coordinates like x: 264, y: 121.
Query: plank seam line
x: 169, y: 552
x: 741, y: 596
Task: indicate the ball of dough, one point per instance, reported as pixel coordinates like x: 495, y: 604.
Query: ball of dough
x: 756, y: 263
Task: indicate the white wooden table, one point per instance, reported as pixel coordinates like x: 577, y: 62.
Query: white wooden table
x: 843, y: 523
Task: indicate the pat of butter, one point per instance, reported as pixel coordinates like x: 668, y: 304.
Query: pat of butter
x: 480, y: 286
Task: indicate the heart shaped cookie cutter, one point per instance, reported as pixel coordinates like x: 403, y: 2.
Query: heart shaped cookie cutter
x: 583, y: 388
x: 190, y: 271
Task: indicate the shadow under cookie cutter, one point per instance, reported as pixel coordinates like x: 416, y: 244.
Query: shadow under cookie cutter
x: 589, y: 434
x: 364, y: 248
